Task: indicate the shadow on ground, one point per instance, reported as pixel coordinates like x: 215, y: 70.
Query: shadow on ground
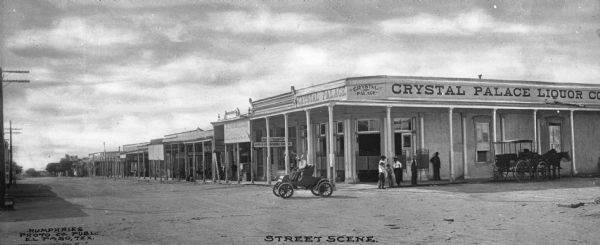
x: 316, y: 197
x: 37, y: 202
x: 508, y: 186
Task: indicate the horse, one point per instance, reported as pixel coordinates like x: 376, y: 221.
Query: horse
x: 553, y: 158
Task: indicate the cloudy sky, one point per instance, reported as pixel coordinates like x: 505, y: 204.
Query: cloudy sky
x: 129, y: 71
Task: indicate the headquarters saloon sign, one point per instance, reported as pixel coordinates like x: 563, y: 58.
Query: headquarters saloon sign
x: 321, y: 96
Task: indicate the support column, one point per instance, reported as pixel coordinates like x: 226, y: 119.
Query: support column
x: 268, y: 152
x: 349, y: 152
x: 172, y: 160
x: 309, y: 143
x: 167, y: 161
x: 287, y: 150
x: 464, y: 141
x: 572, y: 122
x: 494, y: 119
x: 226, y: 164
x: 502, y: 129
x: 194, y: 162
x: 203, y: 163
x: 182, y: 157
x: 214, y: 160
x: 388, y: 136
x: 535, y: 133
x: 237, y: 160
x: 331, y: 148
x: 137, y: 165
x: 451, y: 141
x: 251, y: 153
x: 422, y: 130
x: 186, y: 166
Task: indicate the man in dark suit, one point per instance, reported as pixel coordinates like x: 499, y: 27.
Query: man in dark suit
x: 435, y: 161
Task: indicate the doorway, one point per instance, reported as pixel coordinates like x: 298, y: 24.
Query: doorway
x: 369, y: 152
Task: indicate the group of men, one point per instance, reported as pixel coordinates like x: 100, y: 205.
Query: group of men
x: 386, y: 172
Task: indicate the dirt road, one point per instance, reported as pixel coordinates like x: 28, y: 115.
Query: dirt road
x: 103, y: 211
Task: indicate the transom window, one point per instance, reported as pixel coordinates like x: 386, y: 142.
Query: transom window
x: 322, y: 129
x: 402, y: 124
x: 339, y: 128
x: 367, y: 125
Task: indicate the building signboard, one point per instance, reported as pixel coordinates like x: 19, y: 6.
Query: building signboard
x: 237, y: 131
x: 429, y: 90
x: 156, y: 152
x: 365, y: 91
x: 273, y: 139
x: 321, y: 96
x: 273, y: 144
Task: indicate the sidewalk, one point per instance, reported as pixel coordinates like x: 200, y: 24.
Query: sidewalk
x: 339, y: 185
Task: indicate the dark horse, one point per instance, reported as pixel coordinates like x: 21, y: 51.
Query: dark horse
x: 553, y: 158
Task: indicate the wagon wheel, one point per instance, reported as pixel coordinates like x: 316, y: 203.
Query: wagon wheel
x: 496, y: 173
x: 500, y: 174
x: 276, y: 189
x: 543, y: 170
x: 314, y: 190
x: 522, y: 171
x: 285, y: 190
x: 325, y: 189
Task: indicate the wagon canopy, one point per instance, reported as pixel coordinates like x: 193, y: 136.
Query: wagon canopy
x: 512, y: 146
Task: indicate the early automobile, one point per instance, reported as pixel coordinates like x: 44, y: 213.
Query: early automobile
x: 303, y: 178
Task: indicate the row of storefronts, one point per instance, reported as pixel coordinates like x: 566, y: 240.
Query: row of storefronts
x: 344, y: 126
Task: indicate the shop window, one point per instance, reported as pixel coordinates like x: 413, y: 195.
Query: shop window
x: 339, y: 128
x: 280, y: 132
x: 482, y: 134
x: 406, y: 141
x: 208, y: 146
x: 339, y: 146
x: 258, y: 134
x: 321, y: 146
x: 367, y: 125
x: 369, y: 145
x: 322, y: 127
x: 402, y: 124
x: 554, y: 134
x: 303, y: 131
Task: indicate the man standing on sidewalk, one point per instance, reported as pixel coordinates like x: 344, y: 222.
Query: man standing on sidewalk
x: 413, y: 172
x: 398, y: 170
x: 435, y: 161
x: 381, y: 173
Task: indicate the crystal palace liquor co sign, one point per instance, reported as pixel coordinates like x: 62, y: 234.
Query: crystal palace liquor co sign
x: 430, y: 90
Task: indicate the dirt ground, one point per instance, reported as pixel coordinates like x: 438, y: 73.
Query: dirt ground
x: 107, y: 211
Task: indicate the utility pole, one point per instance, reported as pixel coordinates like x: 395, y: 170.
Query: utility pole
x: 105, y: 168
x: 2, y: 155
x: 10, y: 161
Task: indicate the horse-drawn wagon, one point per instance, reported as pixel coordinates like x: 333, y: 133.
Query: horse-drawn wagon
x: 515, y: 160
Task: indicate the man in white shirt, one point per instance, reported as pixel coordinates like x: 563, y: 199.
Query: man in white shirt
x: 398, y: 170
x: 381, y: 173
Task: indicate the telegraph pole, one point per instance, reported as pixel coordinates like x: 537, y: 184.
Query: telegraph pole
x: 10, y: 161
x: 2, y: 155
x: 104, y: 168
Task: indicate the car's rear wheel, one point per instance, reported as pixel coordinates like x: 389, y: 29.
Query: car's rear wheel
x: 325, y: 189
x: 314, y: 190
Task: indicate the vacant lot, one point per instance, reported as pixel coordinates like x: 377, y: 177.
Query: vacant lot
x: 106, y: 211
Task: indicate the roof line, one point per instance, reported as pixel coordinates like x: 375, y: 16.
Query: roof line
x: 201, y: 130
